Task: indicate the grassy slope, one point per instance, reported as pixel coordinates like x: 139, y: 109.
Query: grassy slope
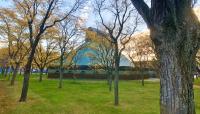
x: 88, y: 97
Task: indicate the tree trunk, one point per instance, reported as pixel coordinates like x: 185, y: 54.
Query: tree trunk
x: 20, y: 72
x: 176, y: 82
x: 27, y: 75
x: 175, y: 33
x: 47, y: 71
x: 31, y: 71
x: 41, y: 74
x: 142, y: 79
x: 6, y: 72
x: 116, y: 91
x: 14, y: 74
x: 176, y: 79
x: 61, y: 70
x: 116, y: 75
x: 9, y: 72
x: 3, y: 71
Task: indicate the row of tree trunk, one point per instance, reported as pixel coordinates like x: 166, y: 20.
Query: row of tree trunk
x: 14, y: 72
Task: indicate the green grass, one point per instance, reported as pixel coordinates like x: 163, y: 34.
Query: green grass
x: 197, y: 82
x: 87, y: 97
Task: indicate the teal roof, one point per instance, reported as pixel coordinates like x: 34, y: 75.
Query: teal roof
x: 82, y: 57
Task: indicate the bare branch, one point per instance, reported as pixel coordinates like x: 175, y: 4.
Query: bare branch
x: 143, y: 10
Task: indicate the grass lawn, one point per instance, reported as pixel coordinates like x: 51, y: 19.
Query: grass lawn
x: 197, y: 82
x: 86, y: 97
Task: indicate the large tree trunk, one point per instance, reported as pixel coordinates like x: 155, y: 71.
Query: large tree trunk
x: 14, y: 74
x: 176, y: 93
x: 175, y: 33
x: 27, y: 75
x: 176, y: 66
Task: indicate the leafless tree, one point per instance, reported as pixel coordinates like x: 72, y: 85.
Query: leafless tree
x: 67, y: 42
x: 103, y: 58
x: 119, y: 29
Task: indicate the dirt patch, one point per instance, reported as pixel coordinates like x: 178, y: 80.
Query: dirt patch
x: 5, y: 100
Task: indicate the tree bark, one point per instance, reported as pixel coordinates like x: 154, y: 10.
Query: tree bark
x: 14, y: 74
x: 27, y: 72
x: 176, y: 93
x: 175, y: 33
x: 176, y: 58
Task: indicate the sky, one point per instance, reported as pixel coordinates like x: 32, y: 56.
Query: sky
x: 87, y: 14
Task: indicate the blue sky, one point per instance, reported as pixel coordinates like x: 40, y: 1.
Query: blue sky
x: 87, y: 13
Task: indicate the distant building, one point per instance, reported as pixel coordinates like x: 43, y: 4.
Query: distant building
x: 84, y: 62
x: 93, y: 39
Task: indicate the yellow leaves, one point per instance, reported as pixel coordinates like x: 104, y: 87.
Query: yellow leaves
x: 22, y: 22
x: 90, y: 35
x: 3, y: 53
x: 11, y: 21
x: 8, y: 13
x: 96, y: 37
x: 52, y: 30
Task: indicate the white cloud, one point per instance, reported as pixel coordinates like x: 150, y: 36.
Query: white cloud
x: 85, y: 13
